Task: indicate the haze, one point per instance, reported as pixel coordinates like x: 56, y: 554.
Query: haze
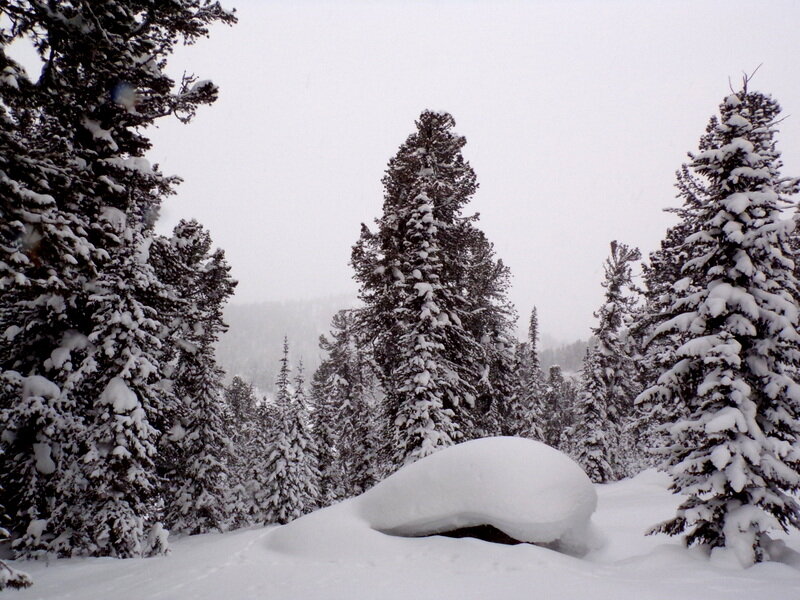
x: 576, y: 115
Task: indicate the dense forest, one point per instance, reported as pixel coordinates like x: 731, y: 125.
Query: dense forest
x: 118, y: 428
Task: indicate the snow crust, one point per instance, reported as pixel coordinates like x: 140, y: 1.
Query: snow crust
x: 36, y: 385
x: 524, y: 488
x: 120, y: 396
x: 339, y: 561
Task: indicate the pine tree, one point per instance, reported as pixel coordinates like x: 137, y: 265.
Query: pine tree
x: 605, y: 404
x: 525, y: 413
x: 326, y: 431
x: 731, y: 320
x: 81, y: 287
x: 199, y: 475
x: 45, y: 261
x: 10, y: 577
x: 558, y: 410
x: 409, y: 269
x: 346, y: 414
x: 490, y: 320
x: 291, y: 486
x: 241, y: 412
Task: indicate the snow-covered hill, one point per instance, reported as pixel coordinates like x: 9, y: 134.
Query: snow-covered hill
x: 241, y: 565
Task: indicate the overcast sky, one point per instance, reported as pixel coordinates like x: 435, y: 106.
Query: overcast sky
x: 576, y: 115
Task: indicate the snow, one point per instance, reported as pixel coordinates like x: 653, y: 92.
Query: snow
x: 120, y: 396
x: 524, y: 488
x: 249, y: 565
x: 115, y: 217
x: 36, y: 385
x: 44, y: 463
x: 99, y: 133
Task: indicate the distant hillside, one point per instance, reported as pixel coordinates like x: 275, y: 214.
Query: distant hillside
x: 568, y: 356
x: 253, y: 345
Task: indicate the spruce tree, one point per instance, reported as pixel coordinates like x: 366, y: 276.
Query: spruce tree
x: 731, y: 320
x: 558, y: 410
x: 291, y: 484
x: 199, y: 473
x: 409, y: 270
x: 609, y: 386
x: 326, y: 430
x: 291, y: 489
x: 82, y: 289
x: 490, y: 320
x: 525, y: 411
x: 346, y: 413
x: 241, y: 427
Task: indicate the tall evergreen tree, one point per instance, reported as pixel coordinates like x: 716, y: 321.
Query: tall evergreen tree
x: 490, y: 320
x: 558, y: 410
x: 326, y: 430
x: 609, y: 386
x: 429, y: 362
x: 732, y: 321
x: 244, y: 432
x: 199, y: 475
x: 525, y: 414
x: 346, y: 414
x: 81, y: 288
x: 291, y: 488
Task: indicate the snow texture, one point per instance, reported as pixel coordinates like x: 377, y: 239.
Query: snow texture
x: 365, y: 564
x: 524, y: 488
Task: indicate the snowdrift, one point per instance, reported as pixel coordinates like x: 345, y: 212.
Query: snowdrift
x: 525, y: 489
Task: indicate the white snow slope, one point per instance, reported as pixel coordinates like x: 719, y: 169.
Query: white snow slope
x: 524, y: 488
x: 351, y: 561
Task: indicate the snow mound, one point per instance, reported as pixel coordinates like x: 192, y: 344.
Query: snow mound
x: 526, y: 489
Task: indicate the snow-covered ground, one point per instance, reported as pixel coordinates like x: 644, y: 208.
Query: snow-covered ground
x: 255, y: 563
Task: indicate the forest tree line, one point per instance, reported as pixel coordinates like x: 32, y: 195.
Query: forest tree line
x: 114, y: 424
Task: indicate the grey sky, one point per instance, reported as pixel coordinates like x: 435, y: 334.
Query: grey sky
x: 576, y: 115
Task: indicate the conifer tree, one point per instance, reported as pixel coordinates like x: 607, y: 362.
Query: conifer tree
x: 291, y: 487
x: 490, y: 320
x: 558, y: 408
x: 731, y: 320
x: 241, y: 427
x: 605, y: 403
x: 326, y: 430
x: 525, y: 414
x: 347, y: 414
x: 82, y: 287
x: 428, y: 362
x: 199, y: 475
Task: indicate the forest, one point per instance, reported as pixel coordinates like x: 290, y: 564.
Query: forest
x: 118, y: 431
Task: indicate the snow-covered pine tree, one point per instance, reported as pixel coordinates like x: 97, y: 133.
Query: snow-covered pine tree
x: 525, y: 410
x: 656, y: 354
x: 535, y: 365
x: 428, y: 362
x: 732, y: 321
x: 325, y: 429
x: 558, y: 410
x: 249, y: 429
x: 609, y: 385
x: 10, y: 577
x: 201, y: 450
x: 120, y: 374
x: 102, y: 83
x: 291, y: 485
x: 491, y: 321
x: 346, y: 412
x: 45, y: 260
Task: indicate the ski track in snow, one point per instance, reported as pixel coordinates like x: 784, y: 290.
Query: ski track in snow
x: 240, y: 566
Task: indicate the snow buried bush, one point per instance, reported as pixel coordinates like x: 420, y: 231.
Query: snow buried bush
x: 525, y: 489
